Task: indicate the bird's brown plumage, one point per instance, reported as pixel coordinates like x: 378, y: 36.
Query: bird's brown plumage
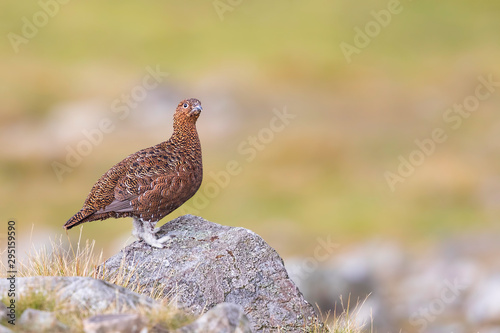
x: 151, y: 183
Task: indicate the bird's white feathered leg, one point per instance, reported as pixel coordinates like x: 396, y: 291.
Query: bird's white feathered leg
x: 146, y: 230
x: 138, y: 227
x: 154, y: 230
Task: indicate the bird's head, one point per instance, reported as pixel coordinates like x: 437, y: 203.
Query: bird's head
x: 188, y: 110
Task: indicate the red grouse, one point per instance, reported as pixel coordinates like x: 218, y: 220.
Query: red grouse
x: 151, y: 183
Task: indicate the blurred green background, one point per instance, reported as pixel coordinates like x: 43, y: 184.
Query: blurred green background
x: 322, y: 175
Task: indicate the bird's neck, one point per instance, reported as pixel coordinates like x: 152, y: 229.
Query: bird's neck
x: 185, y: 136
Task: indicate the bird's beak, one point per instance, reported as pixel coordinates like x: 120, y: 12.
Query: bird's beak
x: 196, y: 110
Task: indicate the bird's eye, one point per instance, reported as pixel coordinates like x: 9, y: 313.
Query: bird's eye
x: 185, y: 106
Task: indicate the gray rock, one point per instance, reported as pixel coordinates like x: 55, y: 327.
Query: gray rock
x: 40, y: 321
x: 97, y: 295
x: 4, y: 329
x: 111, y: 323
x: 81, y: 293
x: 223, y: 318
x: 206, y: 264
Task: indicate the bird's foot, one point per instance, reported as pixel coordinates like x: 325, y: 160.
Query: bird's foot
x: 145, y: 230
x: 150, y: 239
x: 165, y: 239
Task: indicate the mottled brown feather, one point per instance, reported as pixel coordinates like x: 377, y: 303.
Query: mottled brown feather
x: 152, y: 182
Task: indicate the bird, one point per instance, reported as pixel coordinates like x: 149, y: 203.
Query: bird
x: 151, y: 183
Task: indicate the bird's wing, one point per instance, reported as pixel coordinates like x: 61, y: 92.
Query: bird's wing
x: 143, y: 173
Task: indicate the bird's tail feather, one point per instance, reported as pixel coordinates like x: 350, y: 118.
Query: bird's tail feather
x: 78, y: 218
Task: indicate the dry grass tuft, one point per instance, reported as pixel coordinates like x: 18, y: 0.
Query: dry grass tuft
x: 61, y: 259
x: 348, y: 321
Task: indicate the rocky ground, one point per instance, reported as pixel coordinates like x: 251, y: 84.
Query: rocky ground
x: 229, y: 278
x: 454, y: 287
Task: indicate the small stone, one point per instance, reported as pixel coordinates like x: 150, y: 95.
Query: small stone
x: 223, y: 318
x: 80, y: 293
x: 97, y: 295
x: 115, y: 323
x: 40, y: 321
